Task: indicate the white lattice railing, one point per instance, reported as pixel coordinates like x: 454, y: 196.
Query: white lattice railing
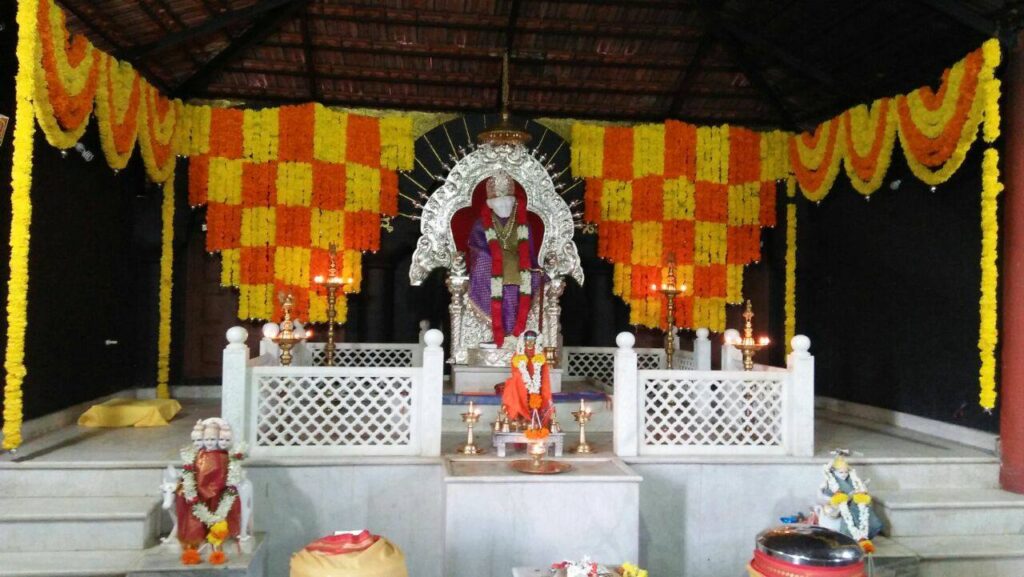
x: 687, y: 412
x: 598, y: 363
x: 368, y: 354
x: 301, y: 411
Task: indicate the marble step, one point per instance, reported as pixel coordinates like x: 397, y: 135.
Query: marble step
x: 32, y: 480
x: 97, y: 563
x: 974, y: 555
x: 945, y: 512
x: 78, y: 524
x: 917, y: 473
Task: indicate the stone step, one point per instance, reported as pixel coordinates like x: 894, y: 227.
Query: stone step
x: 98, y: 563
x: 943, y: 512
x: 911, y: 474
x: 78, y: 524
x: 32, y: 480
x: 974, y: 555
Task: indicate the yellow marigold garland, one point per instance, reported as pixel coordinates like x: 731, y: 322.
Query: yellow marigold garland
x: 991, y: 187
x: 156, y: 134
x: 21, y: 218
x: 790, y: 298
x: 163, y: 362
x: 73, y: 87
x: 117, y: 110
x: 870, y: 134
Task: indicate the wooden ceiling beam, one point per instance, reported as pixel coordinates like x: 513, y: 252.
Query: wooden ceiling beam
x: 163, y: 26
x: 309, y: 57
x: 208, y: 27
x: 488, y: 23
x: 753, y: 73
x: 362, y: 46
x: 794, y: 63
x: 264, y: 26
x: 88, y: 14
x: 451, y: 79
x: 337, y: 99
x: 685, y: 84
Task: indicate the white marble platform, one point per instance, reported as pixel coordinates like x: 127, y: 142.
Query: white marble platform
x: 497, y: 519
x: 931, y: 512
x: 77, y: 524
x: 246, y: 559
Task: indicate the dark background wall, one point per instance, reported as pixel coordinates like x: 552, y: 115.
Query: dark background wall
x: 888, y: 293
x: 93, y: 265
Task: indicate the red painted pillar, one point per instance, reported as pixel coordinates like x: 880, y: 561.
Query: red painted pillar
x: 1011, y: 393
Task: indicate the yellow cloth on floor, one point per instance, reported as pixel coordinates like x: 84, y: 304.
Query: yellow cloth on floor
x: 130, y: 413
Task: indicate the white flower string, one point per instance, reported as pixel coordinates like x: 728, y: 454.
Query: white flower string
x: 188, y: 487
x: 858, y: 531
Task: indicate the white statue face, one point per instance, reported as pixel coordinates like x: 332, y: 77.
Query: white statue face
x: 223, y: 443
x: 211, y: 436
x: 502, y: 206
x: 843, y: 472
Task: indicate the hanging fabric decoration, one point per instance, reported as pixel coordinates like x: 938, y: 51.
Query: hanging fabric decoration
x: 283, y: 184
x: 21, y: 219
x: 697, y: 196
x: 66, y: 77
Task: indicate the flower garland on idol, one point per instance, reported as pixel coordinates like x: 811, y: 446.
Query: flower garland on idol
x: 536, y: 430
x: 188, y: 487
x: 501, y: 185
x: 861, y: 498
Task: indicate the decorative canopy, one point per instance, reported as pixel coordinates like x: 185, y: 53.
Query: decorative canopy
x: 757, y: 64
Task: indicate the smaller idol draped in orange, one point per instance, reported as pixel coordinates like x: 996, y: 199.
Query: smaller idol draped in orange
x: 527, y: 394
x: 208, y: 509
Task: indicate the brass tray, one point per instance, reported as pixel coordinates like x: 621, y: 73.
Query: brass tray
x: 545, y: 468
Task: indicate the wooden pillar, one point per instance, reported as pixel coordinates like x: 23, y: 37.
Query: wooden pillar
x: 1011, y: 399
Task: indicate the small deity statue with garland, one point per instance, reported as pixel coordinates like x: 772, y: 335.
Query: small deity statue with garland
x: 208, y: 508
x: 527, y: 393
x: 847, y: 499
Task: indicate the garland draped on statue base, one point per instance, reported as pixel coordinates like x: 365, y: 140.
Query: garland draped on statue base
x: 698, y: 196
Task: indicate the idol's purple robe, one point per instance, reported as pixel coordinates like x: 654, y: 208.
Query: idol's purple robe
x: 480, y: 277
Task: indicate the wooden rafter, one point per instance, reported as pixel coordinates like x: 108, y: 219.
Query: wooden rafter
x: 363, y: 46
x: 753, y: 73
x: 309, y: 56
x: 208, y: 27
x: 263, y: 27
x: 685, y: 84
x: 88, y: 15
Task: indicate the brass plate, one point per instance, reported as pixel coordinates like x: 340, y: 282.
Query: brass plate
x: 546, y: 467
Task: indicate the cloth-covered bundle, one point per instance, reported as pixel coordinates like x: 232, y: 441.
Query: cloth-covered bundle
x: 349, y: 555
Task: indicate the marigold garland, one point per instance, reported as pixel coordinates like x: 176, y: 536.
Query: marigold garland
x: 991, y: 187
x: 157, y: 120
x: 869, y: 137
x: 163, y: 362
x: 790, y: 298
x: 674, y: 191
x: 283, y: 184
x: 66, y: 75
x: 117, y: 110
x: 21, y: 219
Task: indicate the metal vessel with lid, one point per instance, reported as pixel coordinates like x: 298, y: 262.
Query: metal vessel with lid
x: 809, y: 545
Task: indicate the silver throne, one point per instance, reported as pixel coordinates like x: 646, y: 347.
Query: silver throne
x: 436, y: 248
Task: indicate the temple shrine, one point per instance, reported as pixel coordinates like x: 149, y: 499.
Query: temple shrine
x: 511, y: 288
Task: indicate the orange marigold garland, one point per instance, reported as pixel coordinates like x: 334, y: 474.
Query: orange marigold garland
x: 283, y: 184
x: 698, y: 196
x: 66, y: 73
x: 157, y: 123
x: 117, y: 110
